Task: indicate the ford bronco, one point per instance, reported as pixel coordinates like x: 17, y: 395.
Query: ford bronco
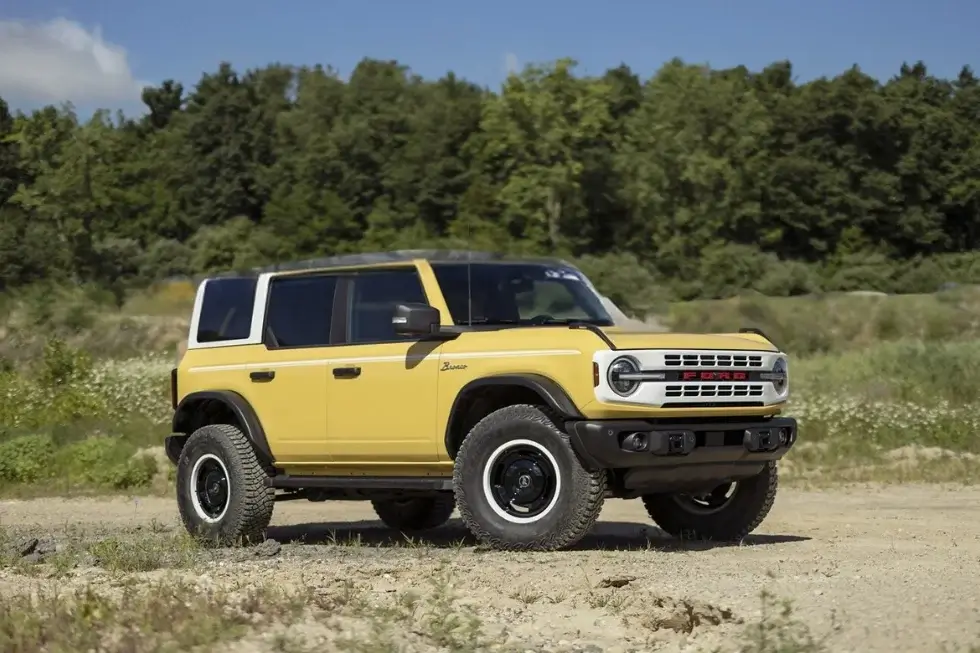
x: 426, y: 382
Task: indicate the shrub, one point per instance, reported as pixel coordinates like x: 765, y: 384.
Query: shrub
x: 26, y: 459
x: 62, y: 364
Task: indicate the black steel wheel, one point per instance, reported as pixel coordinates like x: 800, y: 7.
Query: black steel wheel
x: 210, y: 479
x: 519, y: 484
x: 522, y: 480
x: 221, y: 487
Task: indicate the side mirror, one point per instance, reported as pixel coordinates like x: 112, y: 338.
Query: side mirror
x: 415, y: 319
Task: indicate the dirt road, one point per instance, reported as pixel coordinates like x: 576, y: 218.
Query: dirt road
x: 900, y: 567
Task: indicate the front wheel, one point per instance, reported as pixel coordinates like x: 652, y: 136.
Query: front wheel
x: 221, y: 491
x: 727, y: 513
x: 519, y: 484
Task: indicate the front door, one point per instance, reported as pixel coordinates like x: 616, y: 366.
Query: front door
x: 382, y: 386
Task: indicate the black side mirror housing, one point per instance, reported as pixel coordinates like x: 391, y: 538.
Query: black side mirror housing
x: 415, y: 319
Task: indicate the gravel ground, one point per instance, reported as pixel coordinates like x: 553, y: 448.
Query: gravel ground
x: 874, y: 568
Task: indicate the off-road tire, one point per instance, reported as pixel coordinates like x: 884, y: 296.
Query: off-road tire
x: 416, y: 514
x: 249, y: 501
x: 744, y: 512
x: 579, y: 497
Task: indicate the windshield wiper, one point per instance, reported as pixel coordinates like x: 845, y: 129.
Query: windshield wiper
x: 549, y: 322
x: 571, y: 321
x: 487, y: 320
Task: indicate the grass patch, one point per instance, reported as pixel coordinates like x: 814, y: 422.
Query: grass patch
x: 70, y: 424
x: 901, y: 411
x: 816, y: 324
x: 162, y: 616
x: 56, y: 555
x: 176, y: 615
x: 92, y: 319
x: 145, y: 553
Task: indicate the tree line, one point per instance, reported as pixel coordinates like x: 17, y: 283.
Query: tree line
x: 695, y: 180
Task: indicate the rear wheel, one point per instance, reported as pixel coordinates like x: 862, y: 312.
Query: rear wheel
x: 416, y: 514
x: 519, y: 484
x: 221, y: 491
x: 728, y: 512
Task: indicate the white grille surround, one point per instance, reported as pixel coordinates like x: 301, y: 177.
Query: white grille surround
x: 725, y: 389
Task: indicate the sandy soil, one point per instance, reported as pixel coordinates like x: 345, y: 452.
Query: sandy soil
x: 898, y: 568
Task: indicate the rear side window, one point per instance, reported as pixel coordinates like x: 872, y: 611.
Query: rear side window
x: 300, y: 312
x: 226, y: 310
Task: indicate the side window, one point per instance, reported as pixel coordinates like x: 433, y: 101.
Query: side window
x: 226, y: 310
x: 300, y: 311
x: 374, y: 299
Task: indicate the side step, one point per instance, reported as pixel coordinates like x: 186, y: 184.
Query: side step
x: 430, y: 483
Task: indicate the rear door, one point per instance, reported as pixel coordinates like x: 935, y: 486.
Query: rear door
x: 382, y: 386
x: 287, y: 377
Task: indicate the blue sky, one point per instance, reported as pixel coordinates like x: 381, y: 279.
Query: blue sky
x: 100, y: 51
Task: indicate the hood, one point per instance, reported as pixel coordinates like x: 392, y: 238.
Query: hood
x: 627, y: 338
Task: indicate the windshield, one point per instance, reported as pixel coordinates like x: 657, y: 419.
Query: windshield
x: 519, y: 293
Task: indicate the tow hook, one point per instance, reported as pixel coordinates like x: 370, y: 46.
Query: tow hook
x: 765, y: 439
x: 661, y: 443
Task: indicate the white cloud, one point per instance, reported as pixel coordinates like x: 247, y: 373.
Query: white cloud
x: 511, y: 63
x: 60, y: 60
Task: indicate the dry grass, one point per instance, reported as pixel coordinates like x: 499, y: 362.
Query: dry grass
x: 173, y: 614
x: 155, y: 591
x: 837, y: 322
x: 161, y: 616
x: 778, y: 631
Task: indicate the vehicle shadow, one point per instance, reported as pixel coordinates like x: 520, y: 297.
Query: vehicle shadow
x: 606, y: 536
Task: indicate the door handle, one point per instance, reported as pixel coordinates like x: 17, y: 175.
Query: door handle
x: 264, y: 375
x: 346, y: 372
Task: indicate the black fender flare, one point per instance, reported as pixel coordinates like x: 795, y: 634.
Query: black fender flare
x: 238, y: 405
x: 550, y: 391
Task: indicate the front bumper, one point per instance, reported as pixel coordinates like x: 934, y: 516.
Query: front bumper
x: 675, y: 453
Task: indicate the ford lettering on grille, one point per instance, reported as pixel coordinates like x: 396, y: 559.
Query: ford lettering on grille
x: 720, y: 375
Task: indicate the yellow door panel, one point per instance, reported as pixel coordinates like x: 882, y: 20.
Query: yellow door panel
x: 383, y: 402
x: 291, y: 404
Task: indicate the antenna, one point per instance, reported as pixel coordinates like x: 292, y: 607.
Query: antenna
x: 469, y: 274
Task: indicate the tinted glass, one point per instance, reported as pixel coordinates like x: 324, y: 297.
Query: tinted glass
x: 226, y: 313
x: 519, y: 293
x: 374, y: 300
x: 300, y: 311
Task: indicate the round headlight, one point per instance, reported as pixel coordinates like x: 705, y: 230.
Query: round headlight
x: 780, y: 378
x: 624, y: 365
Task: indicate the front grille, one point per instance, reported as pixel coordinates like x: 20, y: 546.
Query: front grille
x: 714, y: 390
x: 713, y: 360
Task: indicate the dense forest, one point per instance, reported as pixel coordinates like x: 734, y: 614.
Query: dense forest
x: 697, y: 180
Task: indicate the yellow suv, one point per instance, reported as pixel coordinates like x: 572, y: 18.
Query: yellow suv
x: 430, y: 381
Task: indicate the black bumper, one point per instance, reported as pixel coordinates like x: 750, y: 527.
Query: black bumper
x: 675, y: 452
